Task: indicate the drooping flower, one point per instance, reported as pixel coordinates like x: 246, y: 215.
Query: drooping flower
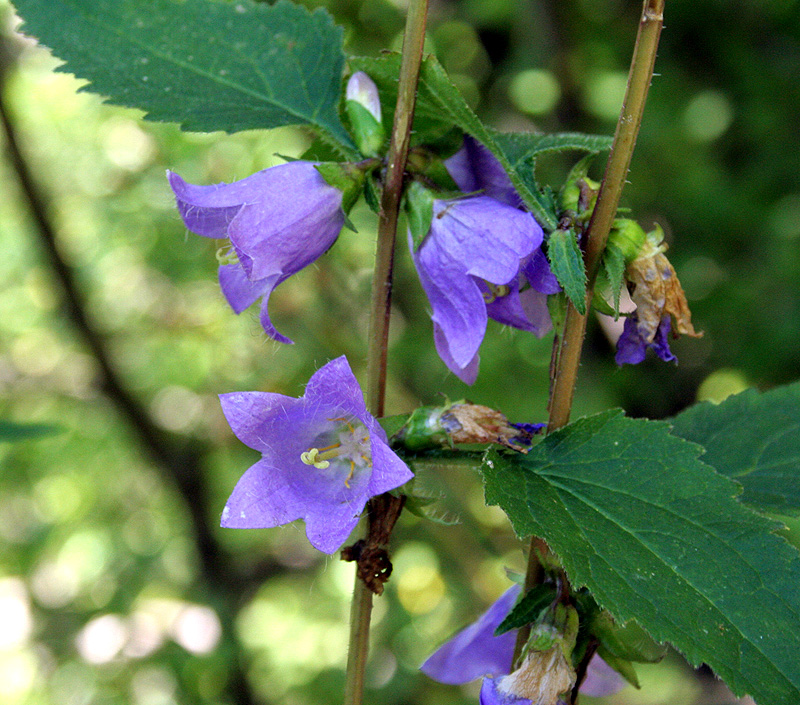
x: 471, y: 255
x: 476, y: 651
x: 523, y: 303
x: 323, y: 454
x: 659, y: 299
x: 278, y: 221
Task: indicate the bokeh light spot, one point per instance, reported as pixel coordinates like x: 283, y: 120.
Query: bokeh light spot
x: 534, y: 91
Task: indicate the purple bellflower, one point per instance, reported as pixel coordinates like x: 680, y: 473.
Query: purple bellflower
x: 475, y: 168
x: 475, y: 652
x: 278, y: 221
x: 324, y: 456
x: 470, y: 257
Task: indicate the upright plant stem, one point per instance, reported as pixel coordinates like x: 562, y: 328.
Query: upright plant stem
x: 380, y: 306
x: 567, y: 350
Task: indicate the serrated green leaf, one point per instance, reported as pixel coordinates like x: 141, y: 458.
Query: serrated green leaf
x: 528, y: 609
x: 566, y: 261
x: 755, y: 439
x: 614, y: 267
x: 205, y: 64
x: 12, y: 432
x: 659, y: 537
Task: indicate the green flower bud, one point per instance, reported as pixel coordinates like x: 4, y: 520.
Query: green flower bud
x: 628, y: 237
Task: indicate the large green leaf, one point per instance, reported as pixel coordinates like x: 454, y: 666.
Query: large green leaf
x: 658, y: 536
x: 206, y: 64
x: 755, y: 439
x: 439, y: 101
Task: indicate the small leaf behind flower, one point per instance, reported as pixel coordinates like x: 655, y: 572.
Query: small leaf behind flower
x: 566, y: 261
x: 528, y: 609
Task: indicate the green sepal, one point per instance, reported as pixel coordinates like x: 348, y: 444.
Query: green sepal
x: 600, y: 305
x: 423, y: 430
x: 348, y: 178
x: 528, y: 610
x: 627, y: 236
x: 566, y: 262
x: 570, y: 194
x: 392, y: 424
x: 368, y: 133
x: 628, y: 641
x: 424, y: 508
x: 372, y: 196
x: 614, y: 268
x: 621, y: 666
x: 419, y: 209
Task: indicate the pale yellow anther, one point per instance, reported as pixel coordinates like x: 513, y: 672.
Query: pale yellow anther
x: 311, y: 457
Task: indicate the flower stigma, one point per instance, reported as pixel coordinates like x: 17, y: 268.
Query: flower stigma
x: 353, y: 446
x: 227, y: 255
x: 495, y: 292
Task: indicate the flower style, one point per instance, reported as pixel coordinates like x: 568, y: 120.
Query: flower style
x: 324, y: 456
x: 476, y: 651
x: 471, y: 256
x: 278, y: 221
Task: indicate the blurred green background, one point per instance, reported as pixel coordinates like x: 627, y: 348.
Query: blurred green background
x: 116, y: 584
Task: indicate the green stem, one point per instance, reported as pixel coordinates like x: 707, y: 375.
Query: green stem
x: 380, y: 307
x: 567, y: 346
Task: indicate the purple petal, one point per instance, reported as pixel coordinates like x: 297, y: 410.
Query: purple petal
x: 487, y: 238
x: 467, y: 373
x: 335, y: 386
x: 632, y: 346
x: 240, y: 292
x: 526, y: 310
x: 459, y: 310
x: 290, y: 219
x: 537, y: 271
x: 475, y: 168
x: 250, y: 414
x: 476, y: 651
x: 207, y: 210
x: 601, y: 679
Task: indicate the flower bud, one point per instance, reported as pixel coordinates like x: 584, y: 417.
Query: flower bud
x: 364, y: 110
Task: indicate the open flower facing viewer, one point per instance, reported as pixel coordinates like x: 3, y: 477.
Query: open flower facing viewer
x: 323, y: 454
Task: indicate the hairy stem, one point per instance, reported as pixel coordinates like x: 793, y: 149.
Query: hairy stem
x: 567, y: 347
x: 380, y: 307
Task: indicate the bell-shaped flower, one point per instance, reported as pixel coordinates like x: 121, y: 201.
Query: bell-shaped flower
x: 476, y: 652
x: 323, y: 454
x: 523, y: 304
x: 471, y: 255
x: 278, y: 221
